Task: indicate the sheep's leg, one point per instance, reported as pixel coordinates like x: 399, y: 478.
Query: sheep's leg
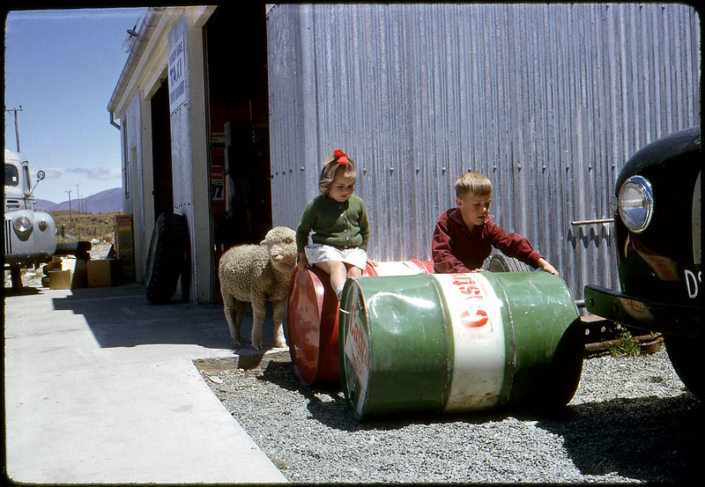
x: 278, y: 318
x: 259, y: 311
x: 229, y: 311
x: 240, y: 308
x: 234, y: 312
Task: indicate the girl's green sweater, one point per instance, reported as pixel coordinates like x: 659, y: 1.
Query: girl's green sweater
x: 342, y: 225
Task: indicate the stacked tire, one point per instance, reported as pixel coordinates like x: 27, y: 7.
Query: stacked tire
x: 168, y: 257
x: 501, y: 263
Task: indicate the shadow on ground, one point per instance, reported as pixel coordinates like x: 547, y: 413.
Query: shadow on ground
x: 649, y: 438
x: 121, y: 316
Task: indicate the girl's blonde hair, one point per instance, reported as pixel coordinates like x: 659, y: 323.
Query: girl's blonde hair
x: 473, y: 182
x: 330, y: 171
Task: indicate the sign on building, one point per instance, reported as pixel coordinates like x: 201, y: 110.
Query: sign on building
x: 177, y: 73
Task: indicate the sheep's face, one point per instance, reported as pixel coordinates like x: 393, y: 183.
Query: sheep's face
x: 281, y: 243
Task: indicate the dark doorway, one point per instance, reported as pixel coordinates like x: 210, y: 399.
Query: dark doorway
x: 236, y: 55
x: 163, y: 191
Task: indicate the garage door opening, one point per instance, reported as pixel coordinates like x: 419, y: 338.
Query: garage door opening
x: 163, y: 190
x: 235, y: 39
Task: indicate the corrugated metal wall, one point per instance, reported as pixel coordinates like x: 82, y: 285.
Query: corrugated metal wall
x: 547, y: 100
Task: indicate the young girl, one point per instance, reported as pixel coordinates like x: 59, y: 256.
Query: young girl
x: 338, y: 219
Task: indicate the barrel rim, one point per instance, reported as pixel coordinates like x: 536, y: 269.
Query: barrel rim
x: 343, y: 323
x: 308, y: 376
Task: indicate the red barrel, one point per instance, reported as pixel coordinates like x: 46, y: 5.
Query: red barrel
x: 312, y: 319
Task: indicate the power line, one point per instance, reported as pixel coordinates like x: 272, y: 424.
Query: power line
x: 70, y: 217
x: 17, y: 128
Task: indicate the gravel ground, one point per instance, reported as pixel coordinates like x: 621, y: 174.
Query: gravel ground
x: 631, y: 421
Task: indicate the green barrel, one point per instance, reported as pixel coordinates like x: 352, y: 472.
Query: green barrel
x: 458, y: 342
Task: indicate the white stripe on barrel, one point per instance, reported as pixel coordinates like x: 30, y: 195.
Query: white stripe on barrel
x: 478, y: 341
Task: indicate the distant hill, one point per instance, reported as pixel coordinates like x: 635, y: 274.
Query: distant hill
x: 107, y: 201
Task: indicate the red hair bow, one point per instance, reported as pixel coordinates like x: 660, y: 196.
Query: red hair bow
x: 342, y: 157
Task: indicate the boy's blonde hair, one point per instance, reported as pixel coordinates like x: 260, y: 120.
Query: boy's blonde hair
x: 330, y: 171
x: 472, y: 182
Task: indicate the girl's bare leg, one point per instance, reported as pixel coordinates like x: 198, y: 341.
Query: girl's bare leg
x: 353, y: 271
x: 338, y: 274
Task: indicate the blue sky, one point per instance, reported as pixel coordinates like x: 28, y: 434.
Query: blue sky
x: 61, y: 67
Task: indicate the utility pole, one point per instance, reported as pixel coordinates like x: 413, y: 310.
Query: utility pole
x: 70, y: 217
x: 17, y: 129
x: 78, y: 198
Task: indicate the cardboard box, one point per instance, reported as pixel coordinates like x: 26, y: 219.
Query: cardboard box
x: 104, y: 272
x: 59, y: 279
x: 79, y: 271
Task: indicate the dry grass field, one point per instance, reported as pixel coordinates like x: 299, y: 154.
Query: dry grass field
x: 75, y: 226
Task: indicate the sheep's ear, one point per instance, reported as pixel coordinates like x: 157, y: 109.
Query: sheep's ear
x: 263, y: 242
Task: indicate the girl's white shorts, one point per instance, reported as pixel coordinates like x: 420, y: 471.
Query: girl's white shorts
x: 316, y: 253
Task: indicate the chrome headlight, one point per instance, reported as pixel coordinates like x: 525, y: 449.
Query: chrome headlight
x: 636, y: 203
x: 23, y: 224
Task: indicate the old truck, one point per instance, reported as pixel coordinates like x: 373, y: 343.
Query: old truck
x: 657, y: 207
x: 30, y: 235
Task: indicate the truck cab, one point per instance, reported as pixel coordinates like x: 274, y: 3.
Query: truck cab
x: 30, y: 235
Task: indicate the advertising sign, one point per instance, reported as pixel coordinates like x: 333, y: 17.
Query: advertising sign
x: 177, y: 73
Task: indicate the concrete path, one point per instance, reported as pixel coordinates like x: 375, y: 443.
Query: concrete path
x: 100, y: 387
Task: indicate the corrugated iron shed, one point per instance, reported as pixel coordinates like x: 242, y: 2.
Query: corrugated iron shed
x: 548, y: 100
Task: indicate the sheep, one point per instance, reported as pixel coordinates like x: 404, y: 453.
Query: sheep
x: 256, y: 274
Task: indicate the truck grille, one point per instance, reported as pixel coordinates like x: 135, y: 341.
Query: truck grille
x: 8, y: 237
x: 12, y: 205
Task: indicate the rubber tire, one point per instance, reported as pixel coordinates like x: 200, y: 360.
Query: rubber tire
x: 166, y: 260
x: 502, y: 263
x: 687, y: 360
x: 73, y: 248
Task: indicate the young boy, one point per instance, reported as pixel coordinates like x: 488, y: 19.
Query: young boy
x: 464, y: 236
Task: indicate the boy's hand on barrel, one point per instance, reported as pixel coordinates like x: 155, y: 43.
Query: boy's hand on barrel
x: 548, y: 267
x: 371, y: 262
